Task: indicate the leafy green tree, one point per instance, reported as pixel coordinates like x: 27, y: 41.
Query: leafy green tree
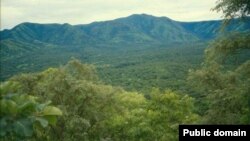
x: 233, y: 8
x: 22, y: 115
x: 94, y: 111
x: 154, y: 119
x: 170, y: 110
x: 224, y: 76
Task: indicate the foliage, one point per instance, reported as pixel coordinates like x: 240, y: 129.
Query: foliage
x: 231, y: 45
x: 224, y: 81
x: 225, y: 93
x: 31, y: 47
x: 129, y: 53
x: 224, y: 75
x: 133, y: 67
x: 22, y: 114
x: 154, y: 119
x: 94, y: 111
x: 233, y: 8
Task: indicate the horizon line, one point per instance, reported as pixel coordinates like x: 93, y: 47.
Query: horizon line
x: 99, y: 21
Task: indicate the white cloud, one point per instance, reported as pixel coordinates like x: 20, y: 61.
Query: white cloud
x: 14, y: 12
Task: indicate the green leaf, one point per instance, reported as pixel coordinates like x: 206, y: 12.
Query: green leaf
x: 43, y: 122
x: 28, y: 106
x: 50, y: 110
x: 51, y: 119
x: 40, y: 107
x: 23, y: 127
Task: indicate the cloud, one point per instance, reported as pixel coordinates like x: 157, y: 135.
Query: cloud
x: 14, y: 12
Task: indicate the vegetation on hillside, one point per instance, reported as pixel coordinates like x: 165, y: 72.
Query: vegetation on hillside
x: 22, y: 116
x: 132, y: 92
x: 224, y: 76
x: 94, y: 111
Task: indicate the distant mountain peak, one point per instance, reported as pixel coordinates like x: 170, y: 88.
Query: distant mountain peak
x: 136, y: 28
x: 146, y: 16
x: 141, y: 15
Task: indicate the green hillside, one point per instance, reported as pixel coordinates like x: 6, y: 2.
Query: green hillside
x: 136, y: 52
x: 133, y: 78
x: 136, y: 78
x: 31, y: 47
x: 133, y: 29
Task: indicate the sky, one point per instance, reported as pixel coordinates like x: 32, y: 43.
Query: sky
x: 14, y: 12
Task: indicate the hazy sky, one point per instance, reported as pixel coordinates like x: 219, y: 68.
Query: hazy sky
x: 14, y: 12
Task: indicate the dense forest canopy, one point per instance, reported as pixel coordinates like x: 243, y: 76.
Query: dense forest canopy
x: 224, y: 75
x: 94, y: 111
x: 125, y: 91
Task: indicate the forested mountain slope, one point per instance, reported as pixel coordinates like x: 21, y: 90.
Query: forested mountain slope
x: 133, y: 29
x: 31, y: 47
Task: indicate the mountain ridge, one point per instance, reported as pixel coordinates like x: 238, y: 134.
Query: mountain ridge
x: 137, y: 28
x: 30, y: 47
x: 134, y: 29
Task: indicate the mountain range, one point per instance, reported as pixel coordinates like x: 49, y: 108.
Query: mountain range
x: 133, y: 29
x: 32, y: 40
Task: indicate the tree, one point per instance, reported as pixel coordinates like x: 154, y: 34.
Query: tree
x: 22, y: 115
x: 224, y: 75
x: 233, y: 8
x: 94, y: 111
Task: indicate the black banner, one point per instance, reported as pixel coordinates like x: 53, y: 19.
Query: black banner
x: 214, y: 132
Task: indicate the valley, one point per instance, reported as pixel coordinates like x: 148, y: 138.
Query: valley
x: 132, y: 78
